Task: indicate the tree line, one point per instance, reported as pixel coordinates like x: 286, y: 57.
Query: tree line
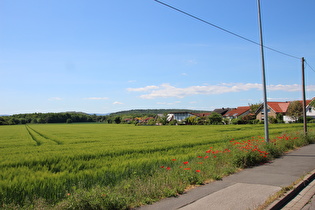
x: 66, y: 117
x: 69, y: 117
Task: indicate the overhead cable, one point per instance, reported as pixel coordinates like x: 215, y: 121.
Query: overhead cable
x: 225, y: 30
x: 309, y: 66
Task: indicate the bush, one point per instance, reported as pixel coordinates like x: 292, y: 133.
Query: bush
x: 237, y: 121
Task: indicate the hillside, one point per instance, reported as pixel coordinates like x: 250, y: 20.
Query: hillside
x: 154, y: 111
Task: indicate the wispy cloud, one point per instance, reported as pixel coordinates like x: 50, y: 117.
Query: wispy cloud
x: 280, y: 99
x: 144, y: 89
x: 191, y: 62
x: 55, y: 99
x: 167, y: 90
x: 97, y: 98
x: 117, y: 102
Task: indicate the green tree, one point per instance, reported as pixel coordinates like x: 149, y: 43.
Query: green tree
x: 247, y: 118
x: 203, y: 120
x: 163, y: 119
x: 238, y: 121
x: 215, y: 118
x: 192, y: 120
x: 295, y: 110
x: 272, y: 120
x: 34, y: 121
x: 279, y: 118
x: 117, y: 120
x: 2, y: 121
x: 151, y: 122
x: 254, y: 108
x: 22, y: 121
x: 69, y: 120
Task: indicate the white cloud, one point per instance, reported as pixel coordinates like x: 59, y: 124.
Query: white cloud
x: 55, y: 99
x: 310, y: 88
x: 167, y: 90
x: 144, y: 89
x: 280, y: 99
x: 290, y: 88
x: 117, y: 102
x: 97, y: 98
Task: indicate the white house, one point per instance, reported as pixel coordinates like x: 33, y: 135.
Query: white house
x: 179, y: 116
x: 310, y: 111
x: 310, y: 108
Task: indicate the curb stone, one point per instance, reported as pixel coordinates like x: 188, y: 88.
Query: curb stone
x: 283, y: 201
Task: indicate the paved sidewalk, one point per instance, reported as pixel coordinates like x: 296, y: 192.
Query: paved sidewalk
x: 247, y: 189
x: 303, y: 199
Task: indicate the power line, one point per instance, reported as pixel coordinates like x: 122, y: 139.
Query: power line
x: 309, y: 66
x: 225, y: 30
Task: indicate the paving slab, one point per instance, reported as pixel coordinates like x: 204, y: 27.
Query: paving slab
x: 233, y: 196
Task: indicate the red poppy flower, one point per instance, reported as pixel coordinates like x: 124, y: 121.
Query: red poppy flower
x: 168, y: 168
x: 185, y: 163
x: 161, y: 166
x: 173, y: 159
x: 187, y: 168
x: 197, y: 171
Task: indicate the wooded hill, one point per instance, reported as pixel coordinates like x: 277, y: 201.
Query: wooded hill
x: 155, y: 111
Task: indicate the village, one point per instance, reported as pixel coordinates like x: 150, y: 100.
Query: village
x: 278, y: 112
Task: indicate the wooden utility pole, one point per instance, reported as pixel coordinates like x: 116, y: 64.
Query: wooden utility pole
x: 304, y: 100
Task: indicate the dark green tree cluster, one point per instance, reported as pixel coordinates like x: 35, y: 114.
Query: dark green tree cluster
x: 67, y: 117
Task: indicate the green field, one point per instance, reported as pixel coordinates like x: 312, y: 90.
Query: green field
x: 54, y: 161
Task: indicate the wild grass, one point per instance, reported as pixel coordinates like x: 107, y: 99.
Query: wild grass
x: 97, y: 166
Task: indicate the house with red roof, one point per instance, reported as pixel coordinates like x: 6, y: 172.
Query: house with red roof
x: 273, y: 108
x: 206, y: 114
x: 238, y: 112
x: 310, y: 111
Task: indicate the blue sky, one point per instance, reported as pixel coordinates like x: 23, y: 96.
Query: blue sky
x: 107, y: 56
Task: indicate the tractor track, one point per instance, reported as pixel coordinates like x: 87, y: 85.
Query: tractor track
x: 30, y: 130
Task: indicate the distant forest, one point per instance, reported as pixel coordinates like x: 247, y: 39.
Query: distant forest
x: 155, y: 111
x: 80, y: 117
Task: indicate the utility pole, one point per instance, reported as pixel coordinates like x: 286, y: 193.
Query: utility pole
x: 263, y: 76
x: 304, y: 100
